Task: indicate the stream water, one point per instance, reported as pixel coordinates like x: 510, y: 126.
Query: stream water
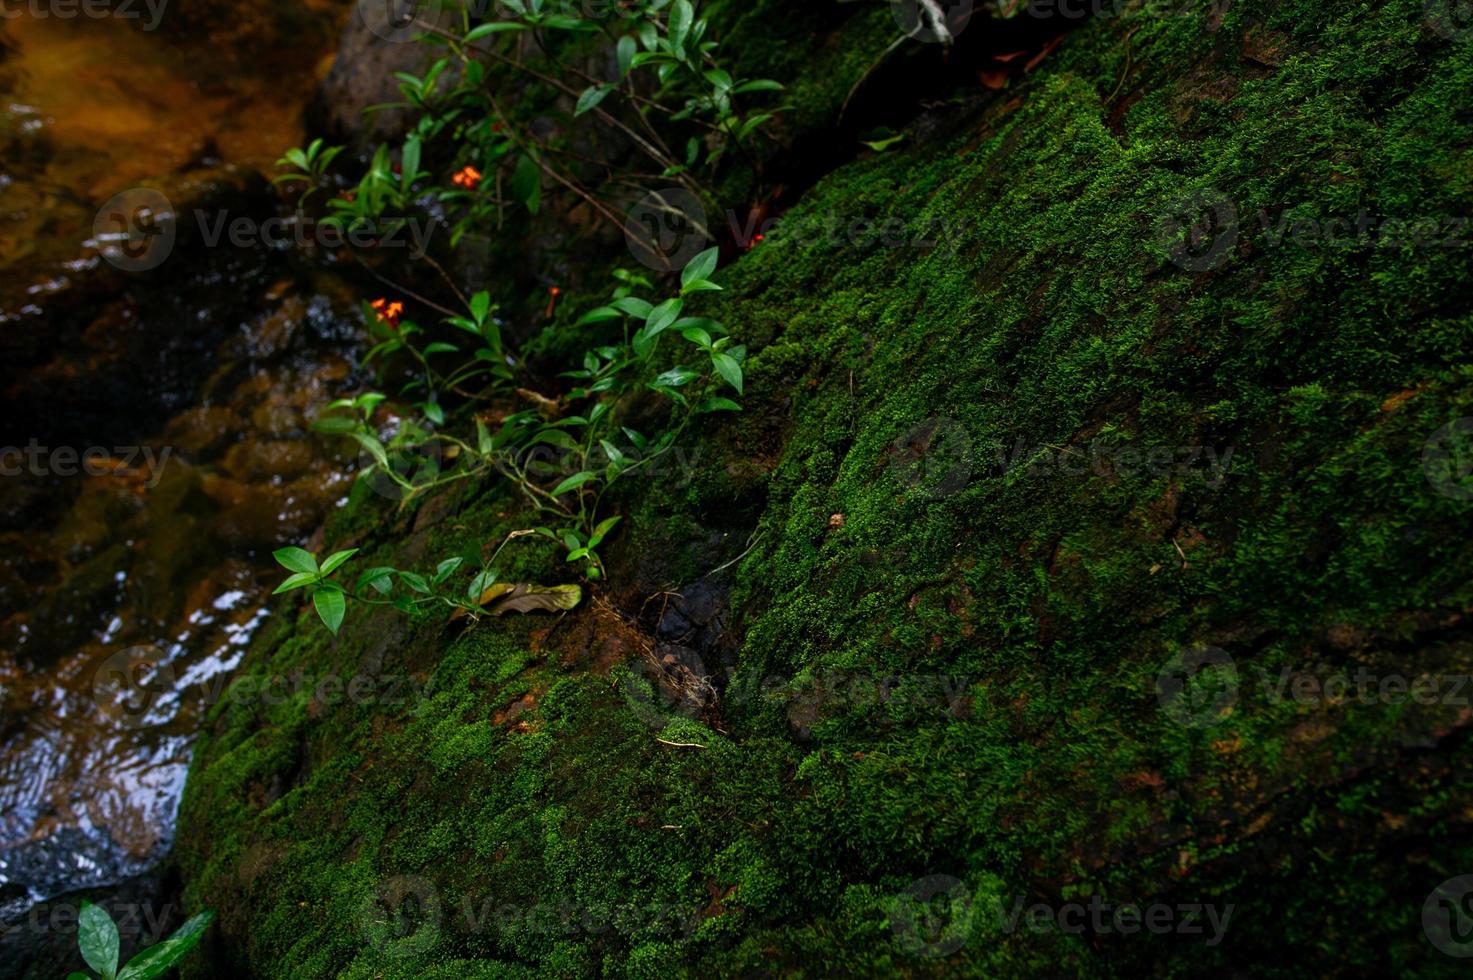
x: 154, y: 442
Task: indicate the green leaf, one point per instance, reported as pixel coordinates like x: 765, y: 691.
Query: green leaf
x: 675, y: 377
x: 716, y: 404
x: 295, y: 559
x: 720, y: 79
x: 415, y: 581
x: 681, y: 15
x: 526, y: 183
x: 626, y: 49
x: 701, y: 266
x: 482, y: 582
x: 634, y: 306
x: 601, y: 531
x: 612, y: 451
x: 441, y: 347
x: 758, y: 85
x: 590, y: 98
x: 296, y: 582
x: 661, y: 317
x: 97, y: 937
x: 158, y: 960
x: 374, y: 447
x: 880, y: 145
x: 380, y: 579
x: 331, y: 604
x: 697, y: 336
x: 700, y: 286
x: 335, y: 424
x: 480, y: 305
x: 563, y: 22
x: 495, y: 27
x: 599, y: 315
x: 485, y: 444
x: 447, y: 568
x: 574, y: 481
x: 728, y: 368
x: 409, y: 163
x: 334, y: 561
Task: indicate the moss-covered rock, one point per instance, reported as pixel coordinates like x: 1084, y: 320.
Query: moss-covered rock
x: 1016, y: 477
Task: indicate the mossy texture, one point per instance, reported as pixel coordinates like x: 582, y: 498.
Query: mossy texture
x: 1002, y: 460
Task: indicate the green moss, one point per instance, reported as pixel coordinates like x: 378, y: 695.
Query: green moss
x: 974, y: 476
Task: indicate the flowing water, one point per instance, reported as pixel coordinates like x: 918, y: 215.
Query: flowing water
x: 155, y: 444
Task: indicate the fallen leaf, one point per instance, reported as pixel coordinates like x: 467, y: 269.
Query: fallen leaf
x: 531, y: 598
x: 525, y: 598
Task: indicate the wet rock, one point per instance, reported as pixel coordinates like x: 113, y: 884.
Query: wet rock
x: 278, y: 460
x: 95, y: 519
x: 40, y: 941
x: 275, y: 417
x: 269, y: 516
x: 67, y: 616
x: 203, y: 431
x: 363, y: 75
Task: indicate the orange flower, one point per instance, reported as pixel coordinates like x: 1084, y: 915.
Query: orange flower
x: 468, y: 177
x: 388, y: 312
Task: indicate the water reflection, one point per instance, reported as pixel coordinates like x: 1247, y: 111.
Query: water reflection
x: 134, y: 567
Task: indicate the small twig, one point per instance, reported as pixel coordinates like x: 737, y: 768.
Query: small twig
x: 680, y: 745
x: 448, y: 281
x: 406, y: 291
x: 752, y: 543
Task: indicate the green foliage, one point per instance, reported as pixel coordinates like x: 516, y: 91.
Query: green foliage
x: 424, y: 592
x: 97, y: 938
x: 666, y: 64
x: 563, y: 464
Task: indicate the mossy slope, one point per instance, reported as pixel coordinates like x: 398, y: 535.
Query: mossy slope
x: 977, y: 464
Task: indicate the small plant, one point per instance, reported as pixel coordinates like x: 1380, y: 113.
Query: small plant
x: 312, y: 162
x: 663, y: 88
x: 584, y: 431
x: 481, y: 595
x: 97, y: 938
x: 667, y: 94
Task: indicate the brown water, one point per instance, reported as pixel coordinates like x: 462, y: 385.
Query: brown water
x: 129, y: 591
